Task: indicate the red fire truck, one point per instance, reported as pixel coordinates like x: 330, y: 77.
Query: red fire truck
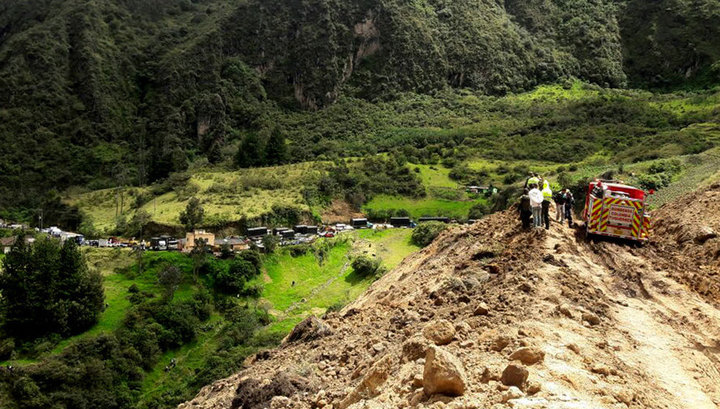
x: 617, y: 210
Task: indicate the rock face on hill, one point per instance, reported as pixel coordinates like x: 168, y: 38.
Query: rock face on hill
x: 564, y: 323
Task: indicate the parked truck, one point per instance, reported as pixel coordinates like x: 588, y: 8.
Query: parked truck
x: 617, y: 210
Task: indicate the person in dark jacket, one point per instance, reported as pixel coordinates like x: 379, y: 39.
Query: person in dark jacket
x: 569, y: 203
x: 559, y: 198
x: 525, y: 209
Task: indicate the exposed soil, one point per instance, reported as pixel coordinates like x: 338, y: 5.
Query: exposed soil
x: 340, y: 211
x: 591, y: 324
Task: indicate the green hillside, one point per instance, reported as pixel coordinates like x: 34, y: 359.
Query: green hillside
x: 133, y: 351
x: 100, y: 93
x: 434, y: 146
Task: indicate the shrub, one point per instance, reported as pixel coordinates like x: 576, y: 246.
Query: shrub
x: 299, y: 250
x: 479, y: 210
x: 426, y: 232
x: 229, y: 283
x: 365, y: 266
x: 253, y: 256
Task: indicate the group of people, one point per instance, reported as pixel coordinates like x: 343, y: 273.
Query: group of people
x: 535, y: 203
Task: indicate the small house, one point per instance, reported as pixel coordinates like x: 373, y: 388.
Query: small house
x: 400, y: 221
x: 192, y: 237
x: 287, y: 234
x: 278, y: 230
x: 311, y: 230
x: 6, y: 244
x: 257, y: 231
x: 236, y: 243
x: 359, y: 223
x: 477, y: 189
x: 300, y: 229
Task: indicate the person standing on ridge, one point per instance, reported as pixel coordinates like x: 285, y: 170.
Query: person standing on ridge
x: 547, y: 197
x: 525, y: 209
x: 559, y: 198
x: 532, y: 180
x: 536, y: 200
x: 569, y: 202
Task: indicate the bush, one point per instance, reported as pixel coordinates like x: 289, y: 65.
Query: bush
x: 227, y: 283
x: 299, y: 250
x: 254, y: 257
x: 426, y: 232
x: 479, y: 210
x: 366, y: 267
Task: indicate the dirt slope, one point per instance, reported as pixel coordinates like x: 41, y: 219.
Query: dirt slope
x: 591, y: 325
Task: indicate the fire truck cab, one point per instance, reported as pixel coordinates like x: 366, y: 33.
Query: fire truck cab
x: 616, y: 210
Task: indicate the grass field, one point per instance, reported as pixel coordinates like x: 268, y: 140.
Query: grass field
x: 445, y: 197
x: 226, y: 196
x: 422, y: 207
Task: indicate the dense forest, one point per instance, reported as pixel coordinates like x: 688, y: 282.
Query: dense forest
x: 101, y: 93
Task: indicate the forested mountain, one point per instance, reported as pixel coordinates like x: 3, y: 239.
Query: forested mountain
x: 101, y: 93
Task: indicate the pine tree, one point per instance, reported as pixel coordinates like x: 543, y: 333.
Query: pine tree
x: 250, y: 153
x: 276, y: 151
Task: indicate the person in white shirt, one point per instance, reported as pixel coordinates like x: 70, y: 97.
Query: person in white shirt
x: 536, y: 200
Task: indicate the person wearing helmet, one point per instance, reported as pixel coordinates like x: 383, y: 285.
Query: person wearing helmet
x: 532, y: 180
x: 547, y: 197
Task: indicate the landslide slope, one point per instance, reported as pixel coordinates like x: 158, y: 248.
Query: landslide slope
x: 597, y: 325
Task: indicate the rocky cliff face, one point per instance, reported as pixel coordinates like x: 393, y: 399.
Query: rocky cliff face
x: 490, y: 316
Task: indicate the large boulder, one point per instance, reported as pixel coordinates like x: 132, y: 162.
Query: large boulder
x: 514, y: 375
x: 440, y: 332
x: 309, y: 329
x: 443, y: 374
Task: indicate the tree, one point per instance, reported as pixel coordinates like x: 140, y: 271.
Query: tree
x: 254, y: 257
x: 48, y: 289
x: 193, y: 214
x: 270, y: 243
x: 242, y: 268
x: 250, y: 153
x: 138, y: 222
x: 199, y: 256
x: 276, y: 151
x: 170, y: 278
